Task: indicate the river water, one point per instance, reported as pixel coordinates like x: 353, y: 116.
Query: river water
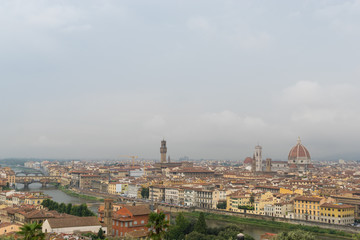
x: 61, y: 197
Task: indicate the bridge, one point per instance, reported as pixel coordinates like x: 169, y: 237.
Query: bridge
x: 27, y: 180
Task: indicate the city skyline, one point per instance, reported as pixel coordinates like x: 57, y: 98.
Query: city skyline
x: 101, y: 79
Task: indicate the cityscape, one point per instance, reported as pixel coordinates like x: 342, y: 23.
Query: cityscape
x: 119, y: 196
x: 179, y: 120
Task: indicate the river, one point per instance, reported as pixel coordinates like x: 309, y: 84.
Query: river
x: 59, y: 196
x: 56, y: 194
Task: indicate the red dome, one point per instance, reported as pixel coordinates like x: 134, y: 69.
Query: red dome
x: 248, y: 160
x: 299, y: 152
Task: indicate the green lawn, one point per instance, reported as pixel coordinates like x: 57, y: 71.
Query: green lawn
x: 74, y: 194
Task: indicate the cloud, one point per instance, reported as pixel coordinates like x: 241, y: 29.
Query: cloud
x: 201, y: 24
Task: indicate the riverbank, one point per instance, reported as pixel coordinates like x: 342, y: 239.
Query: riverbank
x: 78, y: 195
x: 272, y: 224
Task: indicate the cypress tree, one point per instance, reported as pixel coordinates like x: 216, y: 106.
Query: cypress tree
x: 200, y: 225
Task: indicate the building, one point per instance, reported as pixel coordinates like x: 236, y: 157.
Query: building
x: 7, y: 227
x: 258, y: 158
x: 172, y: 195
x: 299, y: 156
x: 86, y: 181
x: 71, y: 225
x: 340, y: 214
x: 308, y: 208
x: 350, y: 199
x: 157, y: 193
x: 130, y: 219
x: 163, y: 151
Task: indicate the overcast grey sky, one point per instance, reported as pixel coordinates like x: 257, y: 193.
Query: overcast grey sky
x: 99, y: 79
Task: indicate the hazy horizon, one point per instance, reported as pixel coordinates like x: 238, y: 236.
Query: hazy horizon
x: 100, y: 79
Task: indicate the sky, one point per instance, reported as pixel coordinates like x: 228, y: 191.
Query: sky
x: 100, y: 79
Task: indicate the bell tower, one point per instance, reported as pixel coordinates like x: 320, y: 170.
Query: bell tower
x: 108, y: 210
x: 163, y: 150
x: 258, y: 158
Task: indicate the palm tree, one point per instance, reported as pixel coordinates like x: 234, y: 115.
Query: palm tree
x: 157, y: 225
x: 32, y: 231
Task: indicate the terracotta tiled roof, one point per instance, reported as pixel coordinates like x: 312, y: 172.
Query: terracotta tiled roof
x: 73, y: 222
x: 138, y: 210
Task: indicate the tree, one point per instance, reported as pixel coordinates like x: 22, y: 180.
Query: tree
x: 32, y: 231
x: 221, y: 205
x: 68, y: 208
x: 200, y: 225
x: 198, y: 236
x: 157, y: 225
x: 295, y: 235
x: 145, y: 192
x: 180, y: 229
x: 252, y: 199
x: 100, y: 234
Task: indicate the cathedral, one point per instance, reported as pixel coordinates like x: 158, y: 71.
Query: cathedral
x: 298, y: 160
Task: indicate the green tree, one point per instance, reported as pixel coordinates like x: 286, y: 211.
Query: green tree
x: 157, y: 225
x: 221, y: 205
x: 198, y: 236
x: 200, y: 225
x: 62, y: 208
x: 100, y: 234
x: 145, y: 192
x: 180, y: 229
x: 252, y: 199
x: 356, y: 236
x: 295, y: 235
x: 32, y: 231
x: 68, y: 208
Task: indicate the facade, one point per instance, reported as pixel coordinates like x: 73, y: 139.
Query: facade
x: 157, y: 193
x: 6, y: 228
x: 71, y: 225
x: 341, y: 214
x: 308, y: 208
x: 163, y: 150
x: 86, y: 180
x: 134, y: 190
x: 258, y: 158
x: 204, y: 198
x: 172, y: 195
x: 130, y: 219
x: 189, y: 197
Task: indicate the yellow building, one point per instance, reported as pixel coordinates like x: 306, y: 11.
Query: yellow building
x: 235, y: 200
x: 341, y: 214
x: 6, y: 228
x: 35, y: 198
x: 308, y: 208
x: 265, y: 199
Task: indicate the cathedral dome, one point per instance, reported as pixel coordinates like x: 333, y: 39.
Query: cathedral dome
x: 299, y: 154
x: 248, y: 161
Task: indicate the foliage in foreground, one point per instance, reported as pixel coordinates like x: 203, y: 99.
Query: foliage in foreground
x: 32, y: 231
x: 295, y: 235
x: 158, y: 225
x: 191, y: 230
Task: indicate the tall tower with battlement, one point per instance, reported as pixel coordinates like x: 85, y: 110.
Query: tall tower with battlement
x: 163, y: 150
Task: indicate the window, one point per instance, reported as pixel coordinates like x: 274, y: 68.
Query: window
x: 142, y: 222
x: 135, y: 222
x: 126, y: 224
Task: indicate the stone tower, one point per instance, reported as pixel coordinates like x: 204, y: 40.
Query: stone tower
x: 258, y: 158
x: 163, y: 150
x: 108, y: 210
x: 268, y: 164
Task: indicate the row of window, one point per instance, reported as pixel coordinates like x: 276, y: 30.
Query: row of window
x: 126, y: 223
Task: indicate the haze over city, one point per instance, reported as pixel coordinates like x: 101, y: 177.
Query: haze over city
x: 99, y: 79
